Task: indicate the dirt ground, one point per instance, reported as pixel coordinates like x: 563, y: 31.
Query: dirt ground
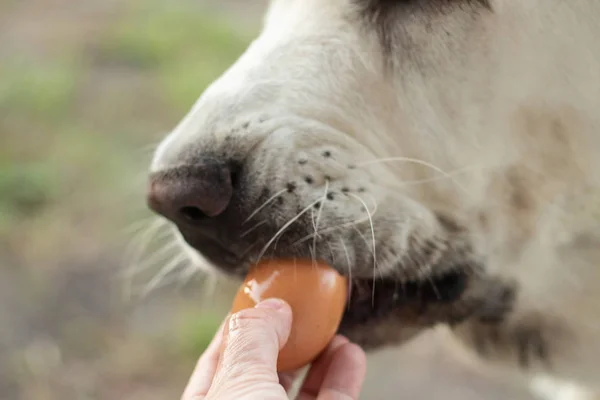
x: 83, y: 87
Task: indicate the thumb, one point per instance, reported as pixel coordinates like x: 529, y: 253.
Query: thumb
x: 252, y: 342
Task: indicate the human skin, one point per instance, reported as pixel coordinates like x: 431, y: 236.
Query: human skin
x: 240, y: 362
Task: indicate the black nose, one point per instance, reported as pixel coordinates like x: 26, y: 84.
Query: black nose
x: 191, y: 193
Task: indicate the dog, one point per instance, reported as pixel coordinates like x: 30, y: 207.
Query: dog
x: 442, y: 154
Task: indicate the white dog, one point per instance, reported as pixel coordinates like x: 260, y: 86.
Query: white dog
x: 444, y: 154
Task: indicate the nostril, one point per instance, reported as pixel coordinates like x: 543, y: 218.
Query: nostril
x: 192, y: 214
x: 192, y: 193
x: 234, y: 175
x: 234, y: 179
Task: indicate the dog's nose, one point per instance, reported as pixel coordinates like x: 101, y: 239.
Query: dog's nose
x: 191, y: 193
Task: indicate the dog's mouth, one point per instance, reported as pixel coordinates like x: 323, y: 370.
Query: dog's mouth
x: 391, y: 309
x: 453, y: 289
x: 374, y: 299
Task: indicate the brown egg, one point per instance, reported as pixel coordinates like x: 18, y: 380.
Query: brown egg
x: 317, y: 295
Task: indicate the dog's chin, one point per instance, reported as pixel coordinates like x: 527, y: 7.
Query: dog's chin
x: 387, y: 312
x: 377, y: 304
x: 370, y: 299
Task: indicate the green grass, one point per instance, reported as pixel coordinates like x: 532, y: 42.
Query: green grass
x: 42, y: 91
x: 186, y: 50
x: 157, y: 36
x: 25, y: 189
x: 196, y: 333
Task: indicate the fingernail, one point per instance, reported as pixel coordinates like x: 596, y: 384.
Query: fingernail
x: 275, y: 304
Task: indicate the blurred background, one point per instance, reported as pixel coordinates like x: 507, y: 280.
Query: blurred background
x: 95, y: 301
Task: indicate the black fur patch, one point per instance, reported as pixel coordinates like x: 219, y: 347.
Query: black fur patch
x: 379, y: 312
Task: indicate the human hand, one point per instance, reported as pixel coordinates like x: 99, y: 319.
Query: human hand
x: 240, y: 363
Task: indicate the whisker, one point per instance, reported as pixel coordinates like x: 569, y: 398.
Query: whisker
x: 343, y: 242
x: 414, y: 161
x: 375, y: 205
x: 312, y: 219
x: 316, y: 224
x: 312, y: 248
x: 263, y: 205
x: 426, y: 273
x: 164, y: 271
x: 285, y: 226
x: 331, y: 253
x: 275, y: 245
x: 167, y: 280
x: 245, y: 252
x: 428, y: 180
x: 247, y: 232
x: 189, y: 270
x: 434, y: 287
x: 147, y: 236
x: 154, y: 258
x: 330, y: 229
x: 336, y: 227
x: 374, y: 248
x: 136, y: 226
x: 135, y: 250
x: 313, y: 255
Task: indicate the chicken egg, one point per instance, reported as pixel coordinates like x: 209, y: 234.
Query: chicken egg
x: 317, y: 295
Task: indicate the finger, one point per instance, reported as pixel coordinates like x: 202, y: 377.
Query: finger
x: 318, y: 370
x: 287, y: 379
x: 346, y: 374
x: 252, y: 343
x: 206, y: 366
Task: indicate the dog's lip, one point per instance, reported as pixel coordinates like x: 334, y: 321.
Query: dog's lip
x: 442, y: 287
x: 427, y: 287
